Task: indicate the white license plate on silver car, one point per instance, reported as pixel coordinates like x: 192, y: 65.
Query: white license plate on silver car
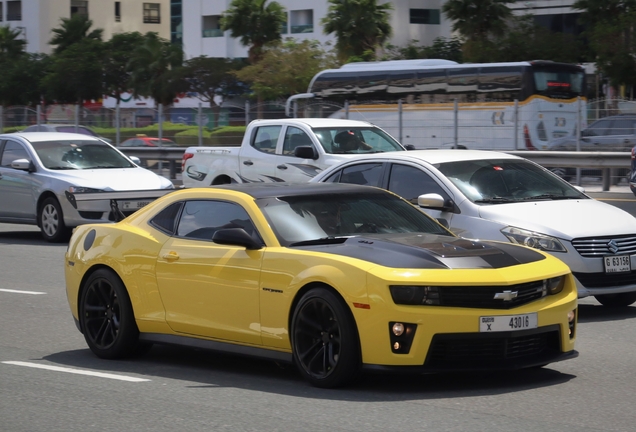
x: 617, y: 264
x: 132, y: 205
x: 508, y: 322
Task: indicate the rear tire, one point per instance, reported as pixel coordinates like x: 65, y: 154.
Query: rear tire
x: 107, y: 319
x: 51, y: 221
x: 617, y: 300
x: 325, y: 342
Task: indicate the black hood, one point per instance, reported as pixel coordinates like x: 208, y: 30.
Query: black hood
x: 428, y: 251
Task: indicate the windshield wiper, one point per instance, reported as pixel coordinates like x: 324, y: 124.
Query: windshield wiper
x: 102, y: 167
x: 62, y: 168
x: 495, y: 200
x: 321, y: 241
x: 549, y: 197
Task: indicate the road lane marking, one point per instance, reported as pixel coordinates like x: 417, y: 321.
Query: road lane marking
x: 21, y: 292
x: 76, y: 371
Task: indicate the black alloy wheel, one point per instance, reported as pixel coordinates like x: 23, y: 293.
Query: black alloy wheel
x: 325, y: 341
x: 106, y: 317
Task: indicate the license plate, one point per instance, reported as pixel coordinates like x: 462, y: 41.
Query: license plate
x: 132, y: 205
x: 507, y: 322
x: 617, y: 264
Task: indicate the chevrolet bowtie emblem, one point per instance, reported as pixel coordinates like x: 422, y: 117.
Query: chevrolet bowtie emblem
x: 506, y: 295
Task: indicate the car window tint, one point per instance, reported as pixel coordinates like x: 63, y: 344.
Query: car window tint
x: 201, y: 219
x: 410, y: 182
x: 295, y: 137
x: 362, y: 174
x: 265, y: 138
x: 333, y: 178
x: 600, y: 128
x: 166, y: 218
x: 13, y: 151
x: 624, y: 126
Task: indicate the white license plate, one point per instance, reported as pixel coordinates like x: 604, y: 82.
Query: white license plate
x: 617, y: 264
x: 132, y: 205
x: 507, y: 322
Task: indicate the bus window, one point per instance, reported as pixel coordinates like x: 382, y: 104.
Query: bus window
x: 462, y: 84
x: 500, y: 83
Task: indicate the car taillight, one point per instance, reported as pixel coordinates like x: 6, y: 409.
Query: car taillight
x: 186, y: 156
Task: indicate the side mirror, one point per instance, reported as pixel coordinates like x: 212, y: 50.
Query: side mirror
x: 305, y: 152
x: 135, y: 159
x: 236, y: 237
x: 23, y: 164
x: 409, y: 147
x: 433, y: 201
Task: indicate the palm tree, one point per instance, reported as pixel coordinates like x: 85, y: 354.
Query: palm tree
x: 10, y: 45
x: 73, y: 30
x: 152, y: 69
x: 476, y: 20
x: 360, y: 26
x: 255, y: 23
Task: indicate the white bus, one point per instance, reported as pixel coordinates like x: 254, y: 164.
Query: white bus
x: 444, y: 104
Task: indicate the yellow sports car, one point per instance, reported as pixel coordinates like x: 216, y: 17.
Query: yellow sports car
x: 336, y: 278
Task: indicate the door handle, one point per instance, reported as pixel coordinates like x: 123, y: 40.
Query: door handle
x: 248, y: 163
x: 171, y: 256
x: 282, y: 167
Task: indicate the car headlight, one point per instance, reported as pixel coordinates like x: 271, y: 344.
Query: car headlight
x: 80, y: 189
x: 533, y: 239
x: 554, y: 285
x: 415, y: 295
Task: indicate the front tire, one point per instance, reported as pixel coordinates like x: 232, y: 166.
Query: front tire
x: 51, y: 221
x: 617, y: 300
x: 106, y: 317
x: 325, y: 342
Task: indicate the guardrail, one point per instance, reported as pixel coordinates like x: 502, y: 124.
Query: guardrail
x: 605, y: 161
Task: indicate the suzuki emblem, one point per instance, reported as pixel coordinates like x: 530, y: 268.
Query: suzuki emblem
x: 612, y: 246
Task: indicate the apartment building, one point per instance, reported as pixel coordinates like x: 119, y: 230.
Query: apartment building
x: 420, y: 20
x: 36, y: 18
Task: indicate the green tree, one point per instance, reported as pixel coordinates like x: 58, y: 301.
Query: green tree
x: 73, y: 30
x: 11, y: 45
x: 153, y: 69
x: 286, y: 68
x: 75, y: 74
x: 255, y: 23
x: 21, y: 80
x: 478, y: 22
x: 611, y: 33
x: 116, y: 57
x: 442, y: 48
x: 360, y: 27
x: 210, y: 77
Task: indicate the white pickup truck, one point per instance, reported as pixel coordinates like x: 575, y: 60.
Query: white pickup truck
x: 291, y: 150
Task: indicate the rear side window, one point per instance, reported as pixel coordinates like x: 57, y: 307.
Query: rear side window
x: 166, y: 219
x: 369, y: 174
x: 265, y: 138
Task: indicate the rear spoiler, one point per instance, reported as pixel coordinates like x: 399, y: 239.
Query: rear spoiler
x: 114, y: 197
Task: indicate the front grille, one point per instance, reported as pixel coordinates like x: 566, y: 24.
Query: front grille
x: 484, y: 296
x: 605, y: 280
x: 593, y: 247
x: 492, y: 350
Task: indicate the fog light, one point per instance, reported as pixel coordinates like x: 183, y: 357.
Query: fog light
x: 396, y: 346
x: 398, y: 329
x: 571, y: 316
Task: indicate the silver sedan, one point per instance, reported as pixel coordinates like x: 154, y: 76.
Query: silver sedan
x: 42, y: 172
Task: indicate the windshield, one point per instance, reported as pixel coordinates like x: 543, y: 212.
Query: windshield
x: 79, y: 154
x: 304, y: 218
x: 356, y: 140
x: 504, y: 180
x: 559, y: 83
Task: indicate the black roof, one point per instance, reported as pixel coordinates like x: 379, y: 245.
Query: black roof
x: 268, y: 190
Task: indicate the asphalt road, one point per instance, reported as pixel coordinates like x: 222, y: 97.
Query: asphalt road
x: 50, y: 381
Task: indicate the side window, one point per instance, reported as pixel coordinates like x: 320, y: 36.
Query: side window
x: 410, y: 182
x: 623, y: 126
x: 265, y: 138
x: 333, y: 178
x: 295, y: 137
x: 363, y: 174
x: 201, y: 219
x: 13, y: 151
x: 166, y: 218
x: 600, y: 128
